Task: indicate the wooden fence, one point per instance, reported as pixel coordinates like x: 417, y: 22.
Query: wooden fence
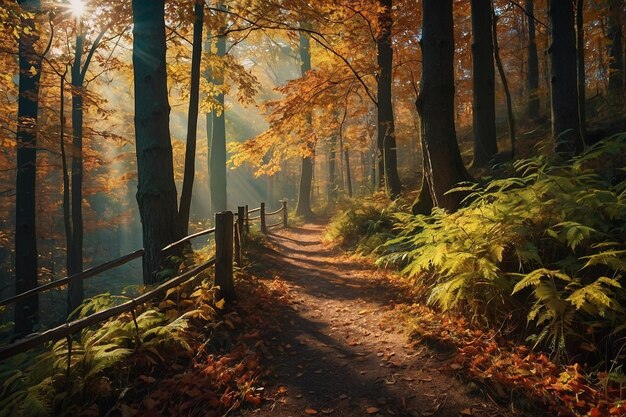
x: 229, y: 240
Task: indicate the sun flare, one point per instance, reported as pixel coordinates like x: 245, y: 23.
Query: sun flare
x: 77, y: 7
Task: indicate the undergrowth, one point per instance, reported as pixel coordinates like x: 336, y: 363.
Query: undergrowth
x: 546, y: 244
x: 105, y: 368
x: 540, y: 253
x: 363, y: 225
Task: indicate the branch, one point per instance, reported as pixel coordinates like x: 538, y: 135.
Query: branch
x: 532, y: 16
x: 322, y: 41
x: 92, y: 50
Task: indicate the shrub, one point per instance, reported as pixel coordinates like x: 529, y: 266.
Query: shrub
x: 547, y: 244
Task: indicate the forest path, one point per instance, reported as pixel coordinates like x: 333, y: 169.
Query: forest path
x: 342, y: 348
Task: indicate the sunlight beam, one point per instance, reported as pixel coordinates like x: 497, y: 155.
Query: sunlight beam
x: 77, y: 8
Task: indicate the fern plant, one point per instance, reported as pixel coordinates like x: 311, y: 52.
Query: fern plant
x: 549, y: 241
x: 79, y: 376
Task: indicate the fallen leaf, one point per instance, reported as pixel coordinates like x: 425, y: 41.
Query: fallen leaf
x: 372, y: 410
x: 456, y: 366
x: 310, y: 411
x: 327, y: 411
x: 466, y: 412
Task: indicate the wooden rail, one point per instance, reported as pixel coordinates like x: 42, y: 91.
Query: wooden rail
x: 229, y: 235
x: 67, y: 329
x: 89, y: 273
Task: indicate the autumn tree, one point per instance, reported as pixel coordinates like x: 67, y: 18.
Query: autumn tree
x: 303, y: 207
x: 192, y: 118
x: 483, y: 77
x: 443, y: 166
x: 564, y: 85
x: 25, y: 212
x: 388, y: 160
x: 532, y: 79
x: 156, y: 191
x: 217, y: 150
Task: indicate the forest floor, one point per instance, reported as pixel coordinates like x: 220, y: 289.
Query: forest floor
x: 341, y: 347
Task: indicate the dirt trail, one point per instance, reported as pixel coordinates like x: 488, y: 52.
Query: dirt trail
x: 343, y: 349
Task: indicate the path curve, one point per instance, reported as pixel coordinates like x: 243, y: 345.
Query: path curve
x: 342, y: 349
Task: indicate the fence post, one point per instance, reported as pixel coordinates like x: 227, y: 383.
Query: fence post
x: 239, y: 235
x: 262, y: 215
x: 247, y: 221
x: 224, y: 254
x: 284, y: 212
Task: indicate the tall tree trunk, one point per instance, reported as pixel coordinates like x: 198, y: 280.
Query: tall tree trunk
x: 192, y: 118
x: 444, y: 168
x: 616, y: 53
x: 483, y: 77
x: 564, y: 84
x: 423, y: 204
x: 505, y: 83
x: 75, y: 254
x: 208, y: 75
x: 332, y: 175
x: 388, y: 165
x: 303, y: 207
x: 219, y: 199
x: 580, y: 60
x: 156, y: 190
x: 67, y: 219
x: 346, y: 154
x: 26, y: 311
x: 532, y: 81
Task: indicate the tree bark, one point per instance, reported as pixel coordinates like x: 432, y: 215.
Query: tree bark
x: 444, y: 168
x: 580, y: 57
x: 75, y: 254
x: 532, y: 81
x: 303, y: 208
x: 346, y: 154
x: 616, y: 53
x: 156, y: 191
x: 388, y: 160
x: 219, y: 199
x: 483, y: 82
x: 580, y: 60
x: 208, y: 75
x: 26, y: 311
x: 192, y: 119
x: 505, y: 83
x: 564, y: 84
x: 332, y: 175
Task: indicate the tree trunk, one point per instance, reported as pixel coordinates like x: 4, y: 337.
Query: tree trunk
x: 532, y: 81
x: 616, y: 53
x: 483, y: 77
x: 346, y: 154
x: 218, y: 158
x: 156, y: 191
x: 423, y: 204
x: 388, y: 160
x: 564, y: 84
x: 209, y: 128
x: 580, y: 60
x: 67, y: 219
x: 76, y: 290
x: 192, y: 119
x: 505, y: 83
x: 26, y: 311
x: 444, y: 168
x: 332, y: 175
x: 303, y: 207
